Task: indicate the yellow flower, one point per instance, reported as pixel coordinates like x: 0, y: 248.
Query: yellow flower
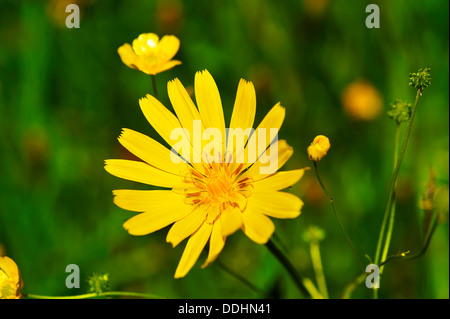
x: 318, y: 148
x: 149, y: 54
x: 10, y: 280
x: 362, y: 101
x: 210, y: 198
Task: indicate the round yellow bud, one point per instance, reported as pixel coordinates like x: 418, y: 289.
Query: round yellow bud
x: 318, y: 148
x: 10, y: 280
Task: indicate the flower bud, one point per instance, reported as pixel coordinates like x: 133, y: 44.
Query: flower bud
x: 318, y: 148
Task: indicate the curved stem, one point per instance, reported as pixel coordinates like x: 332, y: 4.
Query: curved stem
x: 391, y: 193
x: 93, y: 295
x: 240, y: 278
x: 305, y: 286
x: 330, y: 197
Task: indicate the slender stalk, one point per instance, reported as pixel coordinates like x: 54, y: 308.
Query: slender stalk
x: 93, y: 295
x: 318, y: 268
x: 392, y: 213
x: 241, y: 279
x: 403, y: 255
x: 352, y: 286
x: 304, y: 285
x: 330, y: 197
x: 393, y: 182
x: 155, y: 91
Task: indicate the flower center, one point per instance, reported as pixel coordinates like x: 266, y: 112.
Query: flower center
x: 220, y: 187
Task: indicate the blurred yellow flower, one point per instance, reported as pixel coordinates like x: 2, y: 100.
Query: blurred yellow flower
x: 10, y: 280
x: 362, y: 101
x: 211, y: 199
x: 318, y: 148
x: 150, y: 54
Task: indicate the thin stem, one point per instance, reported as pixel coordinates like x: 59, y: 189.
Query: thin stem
x: 404, y: 255
x: 155, y: 91
x: 392, y: 213
x: 242, y: 279
x: 318, y: 268
x: 391, y: 193
x: 93, y: 295
x: 352, y: 286
x: 330, y: 197
x: 305, y: 286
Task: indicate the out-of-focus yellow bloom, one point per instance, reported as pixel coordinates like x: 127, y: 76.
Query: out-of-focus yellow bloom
x: 318, y: 148
x: 362, y: 101
x: 56, y: 10
x: 10, y: 280
x: 315, y: 7
x: 150, y: 54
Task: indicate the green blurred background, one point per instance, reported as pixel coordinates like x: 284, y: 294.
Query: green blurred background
x: 65, y: 95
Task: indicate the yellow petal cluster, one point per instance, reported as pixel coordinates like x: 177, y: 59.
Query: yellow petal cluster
x: 318, y: 148
x: 10, y: 280
x: 150, y: 54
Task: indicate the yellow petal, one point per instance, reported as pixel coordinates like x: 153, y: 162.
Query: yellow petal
x: 145, y: 44
x: 275, y: 204
x: 216, y: 244
x: 193, y: 250
x: 164, y: 67
x: 9, y: 267
x: 273, y: 120
x: 167, y: 47
x: 257, y: 226
x: 282, y: 154
x: 231, y: 221
x: 243, y: 114
x: 162, y: 120
x: 128, y: 56
x: 279, y: 180
x: 186, y: 226
x: 141, y: 172
x: 209, y: 103
x: 186, y: 112
x: 151, y: 151
x: 142, y: 201
x: 149, y: 222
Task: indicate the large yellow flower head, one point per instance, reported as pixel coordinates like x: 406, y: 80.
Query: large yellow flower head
x: 217, y: 180
x: 150, y: 54
x: 10, y: 280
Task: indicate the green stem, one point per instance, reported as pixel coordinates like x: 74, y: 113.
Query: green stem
x: 392, y: 213
x: 318, y: 268
x: 155, y: 91
x: 393, y: 182
x: 242, y: 279
x: 352, y: 286
x: 330, y: 197
x: 304, y: 285
x: 93, y: 295
x: 404, y: 255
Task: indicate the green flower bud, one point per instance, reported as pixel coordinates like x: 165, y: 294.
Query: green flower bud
x: 313, y: 233
x: 400, y: 111
x: 98, y: 283
x: 421, y: 79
